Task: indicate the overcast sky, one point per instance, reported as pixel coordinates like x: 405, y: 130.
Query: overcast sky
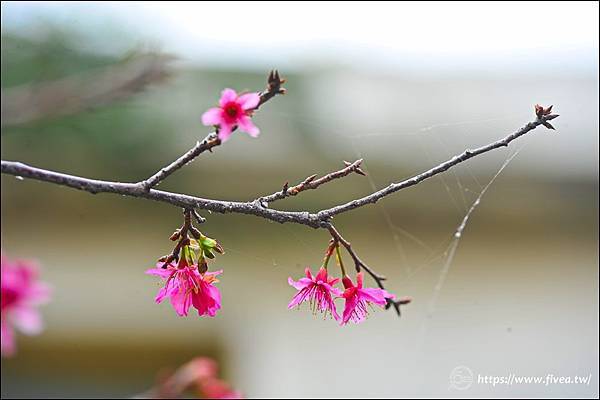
x: 428, y: 35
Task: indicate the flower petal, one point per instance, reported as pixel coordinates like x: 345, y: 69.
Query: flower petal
x: 308, y: 274
x: 336, y: 292
x: 349, y: 307
x: 160, y: 296
x: 249, y: 101
x: 321, y: 275
x: 27, y: 319
x: 213, y: 273
x: 373, y: 295
x: 225, y: 132
x: 334, y: 312
x: 181, y: 301
x: 163, y: 273
x: 213, y: 116
x: 359, y: 280
x: 7, y: 339
x: 300, y: 284
x: 246, y: 125
x: 228, y: 95
x: 298, y: 298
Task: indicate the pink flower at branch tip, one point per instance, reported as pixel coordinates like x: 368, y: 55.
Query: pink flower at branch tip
x: 358, y: 298
x: 233, y: 111
x: 186, y: 287
x: 21, y: 294
x: 318, y: 290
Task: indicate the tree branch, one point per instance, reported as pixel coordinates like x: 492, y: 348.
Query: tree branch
x: 259, y: 207
x: 179, y: 200
x: 314, y: 220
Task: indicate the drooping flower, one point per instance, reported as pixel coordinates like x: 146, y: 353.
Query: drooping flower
x: 318, y: 290
x: 186, y: 286
x: 233, y: 111
x: 358, y: 298
x: 21, y: 294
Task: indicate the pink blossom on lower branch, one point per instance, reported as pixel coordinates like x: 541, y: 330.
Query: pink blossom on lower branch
x: 233, y: 111
x: 358, y: 298
x: 186, y: 286
x: 21, y: 294
x: 195, y: 379
x: 202, y: 373
x: 214, y: 388
x: 318, y: 290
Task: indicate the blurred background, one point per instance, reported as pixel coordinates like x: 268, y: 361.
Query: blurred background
x: 115, y: 91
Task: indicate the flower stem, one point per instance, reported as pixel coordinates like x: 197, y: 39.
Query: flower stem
x: 338, y: 257
x: 328, y: 254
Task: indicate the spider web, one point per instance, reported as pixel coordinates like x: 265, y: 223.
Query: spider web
x: 465, y: 199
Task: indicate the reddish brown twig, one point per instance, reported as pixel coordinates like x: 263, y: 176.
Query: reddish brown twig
x: 312, y: 183
x: 274, y: 88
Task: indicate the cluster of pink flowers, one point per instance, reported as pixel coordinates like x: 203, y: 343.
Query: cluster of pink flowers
x: 320, y: 292
x: 21, y: 294
x: 186, y: 286
x: 234, y: 111
x: 185, y: 272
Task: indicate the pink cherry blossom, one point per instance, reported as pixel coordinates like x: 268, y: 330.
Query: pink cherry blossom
x: 233, y: 111
x: 318, y: 290
x: 199, y: 378
x: 214, y: 388
x: 187, y: 287
x: 21, y: 294
x: 357, y: 299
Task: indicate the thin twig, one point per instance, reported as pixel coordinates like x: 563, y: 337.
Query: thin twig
x: 312, y: 183
x: 212, y: 140
x: 466, y: 155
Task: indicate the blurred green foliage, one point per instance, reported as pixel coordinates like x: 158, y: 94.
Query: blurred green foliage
x: 55, y: 56
x: 107, y: 138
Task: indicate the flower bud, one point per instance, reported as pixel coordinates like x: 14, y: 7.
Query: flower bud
x: 347, y: 282
x: 175, y: 235
x: 202, y: 266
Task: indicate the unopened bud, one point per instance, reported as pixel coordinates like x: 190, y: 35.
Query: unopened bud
x: 347, y: 282
x: 202, y: 267
x: 195, y: 232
